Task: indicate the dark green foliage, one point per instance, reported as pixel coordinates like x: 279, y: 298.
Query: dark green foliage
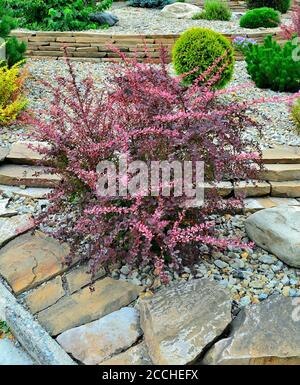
x: 214, y: 10
x: 150, y: 3
x: 57, y: 15
x: 260, y: 17
x: 279, y: 5
x: 272, y: 66
x: 14, y: 49
x: 200, y: 48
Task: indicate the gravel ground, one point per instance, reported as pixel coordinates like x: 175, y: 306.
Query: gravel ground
x: 251, y: 276
x: 278, y: 128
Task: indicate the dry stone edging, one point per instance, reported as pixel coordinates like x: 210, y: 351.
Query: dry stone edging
x: 97, y: 341
x: 26, y: 152
x: 181, y: 320
x: 30, y: 192
x: 277, y: 230
x: 34, y: 339
x: 267, y: 333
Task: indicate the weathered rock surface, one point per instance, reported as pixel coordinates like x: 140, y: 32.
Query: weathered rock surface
x: 31, y: 176
x: 289, y: 189
x: 4, y: 211
x: 13, y: 354
x: 257, y: 204
x: 263, y: 334
x: 223, y: 188
x: 94, y: 342
x: 104, y: 18
x: 3, y: 153
x: 26, y: 152
x: 281, y: 172
x: 181, y: 320
x: 45, y: 295
x: 12, y: 227
x: 278, y: 231
x: 30, y: 192
x: 85, y: 305
x: 252, y: 188
x: 137, y: 355
x: 31, y: 259
x: 180, y: 10
x: 282, y: 154
x: 78, y: 278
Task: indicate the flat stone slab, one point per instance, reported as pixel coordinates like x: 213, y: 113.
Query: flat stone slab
x: 32, y: 259
x: 26, y: 152
x: 137, y: 355
x: 252, y: 188
x: 281, y: 172
x: 79, y: 278
x: 4, y: 211
x: 288, y: 189
x: 3, y: 153
x: 267, y: 333
x: 277, y: 230
x: 85, y: 305
x: 257, y: 204
x: 45, y: 295
x: 31, y: 176
x: 223, y: 188
x: 99, y: 340
x: 282, y: 154
x: 29, y: 192
x: 12, y: 354
x: 181, y: 320
x: 12, y: 227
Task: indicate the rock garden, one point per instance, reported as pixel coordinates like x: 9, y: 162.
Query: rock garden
x: 143, y: 278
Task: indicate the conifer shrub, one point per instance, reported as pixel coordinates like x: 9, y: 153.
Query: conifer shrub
x: 197, y: 49
x: 279, y: 5
x: 214, y: 10
x: 260, y: 18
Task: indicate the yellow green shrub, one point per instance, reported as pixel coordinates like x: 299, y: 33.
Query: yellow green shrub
x: 296, y: 114
x: 12, y: 100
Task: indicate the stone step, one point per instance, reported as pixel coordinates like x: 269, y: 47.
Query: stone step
x: 281, y: 172
x: 282, y: 154
x: 25, y: 152
x: 255, y: 204
x: 30, y: 192
x: 30, y: 176
x: 252, y: 189
x: 288, y: 189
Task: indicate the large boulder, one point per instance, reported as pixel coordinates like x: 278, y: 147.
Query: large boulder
x: 99, y: 340
x: 180, y: 10
x: 277, y: 230
x: 182, y: 319
x: 264, y: 334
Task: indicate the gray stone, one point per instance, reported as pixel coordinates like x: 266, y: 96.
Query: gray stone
x: 12, y: 354
x: 3, y: 153
x: 33, y: 192
x: 182, y: 319
x: 12, y: 227
x: 104, y: 18
x: 99, y: 340
x: 267, y: 333
x: 137, y: 355
x: 4, y: 211
x: 277, y: 230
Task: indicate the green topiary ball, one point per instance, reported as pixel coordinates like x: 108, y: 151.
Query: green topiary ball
x: 260, y: 17
x: 200, y: 48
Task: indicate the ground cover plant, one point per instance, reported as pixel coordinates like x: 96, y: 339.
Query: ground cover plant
x: 200, y: 48
x: 214, y: 10
x: 148, y: 115
x: 57, y: 15
x: 260, y: 17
